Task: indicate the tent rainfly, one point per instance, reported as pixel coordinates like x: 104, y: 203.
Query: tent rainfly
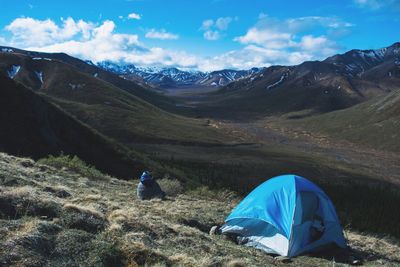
x: 287, y: 215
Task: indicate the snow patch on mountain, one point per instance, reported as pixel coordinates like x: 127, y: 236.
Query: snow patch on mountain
x: 371, y: 55
x: 90, y: 62
x: 76, y: 86
x: 283, y: 77
x: 7, y: 50
x: 13, y: 71
x: 42, y: 58
x: 39, y: 75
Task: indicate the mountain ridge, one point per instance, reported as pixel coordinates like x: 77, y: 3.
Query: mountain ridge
x: 173, y: 77
x: 335, y: 83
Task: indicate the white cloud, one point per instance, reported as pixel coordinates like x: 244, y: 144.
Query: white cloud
x: 28, y: 31
x: 262, y: 15
x: 291, y: 41
x: 374, y: 4
x: 161, y: 34
x: 213, y: 29
x: 269, y: 42
x: 207, y: 24
x: 134, y: 16
x: 211, y: 35
x: 378, y: 4
x: 223, y: 23
x: 83, y: 39
x: 309, y: 42
x: 266, y: 37
x: 95, y: 42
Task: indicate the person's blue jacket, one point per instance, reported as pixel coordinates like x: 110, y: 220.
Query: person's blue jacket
x: 148, y: 188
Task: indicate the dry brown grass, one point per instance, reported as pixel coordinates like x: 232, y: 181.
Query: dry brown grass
x: 112, y: 221
x: 81, y: 209
x: 171, y: 187
x: 375, y: 246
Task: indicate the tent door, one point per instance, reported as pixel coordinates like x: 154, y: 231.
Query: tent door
x: 309, y: 216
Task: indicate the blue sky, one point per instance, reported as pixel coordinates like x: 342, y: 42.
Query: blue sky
x: 200, y: 34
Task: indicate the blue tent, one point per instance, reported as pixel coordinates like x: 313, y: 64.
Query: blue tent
x: 286, y: 215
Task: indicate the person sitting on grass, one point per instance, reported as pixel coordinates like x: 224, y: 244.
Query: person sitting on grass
x: 148, y: 188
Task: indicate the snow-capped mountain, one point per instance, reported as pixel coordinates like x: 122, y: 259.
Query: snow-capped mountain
x: 356, y: 62
x: 223, y: 77
x: 173, y: 77
x: 337, y: 82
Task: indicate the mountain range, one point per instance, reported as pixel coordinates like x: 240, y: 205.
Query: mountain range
x: 175, y: 78
x: 337, y: 82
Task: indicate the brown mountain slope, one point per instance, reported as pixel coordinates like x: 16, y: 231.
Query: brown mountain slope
x: 313, y: 87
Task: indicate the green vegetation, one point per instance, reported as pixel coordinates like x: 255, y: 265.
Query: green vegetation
x: 374, y: 124
x: 72, y: 163
x: 31, y: 126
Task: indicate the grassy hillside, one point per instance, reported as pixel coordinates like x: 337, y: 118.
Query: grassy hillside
x: 32, y: 126
x: 113, y: 106
x: 375, y: 123
x: 58, y: 217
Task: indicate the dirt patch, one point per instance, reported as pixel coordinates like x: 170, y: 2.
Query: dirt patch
x: 58, y: 192
x: 204, y: 227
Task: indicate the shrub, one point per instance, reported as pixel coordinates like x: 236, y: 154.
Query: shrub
x: 171, y: 187
x: 72, y: 163
x: 215, y: 194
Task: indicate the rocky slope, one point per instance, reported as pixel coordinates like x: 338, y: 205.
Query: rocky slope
x: 57, y: 217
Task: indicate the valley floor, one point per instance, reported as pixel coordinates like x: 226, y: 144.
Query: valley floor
x: 52, y: 217
x: 292, y: 136
x: 380, y: 164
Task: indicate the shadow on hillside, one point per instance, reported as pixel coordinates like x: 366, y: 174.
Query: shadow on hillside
x: 352, y: 256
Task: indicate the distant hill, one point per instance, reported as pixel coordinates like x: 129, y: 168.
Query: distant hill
x: 33, y: 61
x: 375, y: 123
x: 338, y: 82
x: 31, y: 126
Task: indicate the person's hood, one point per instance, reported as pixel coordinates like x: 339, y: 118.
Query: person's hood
x: 145, y: 176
